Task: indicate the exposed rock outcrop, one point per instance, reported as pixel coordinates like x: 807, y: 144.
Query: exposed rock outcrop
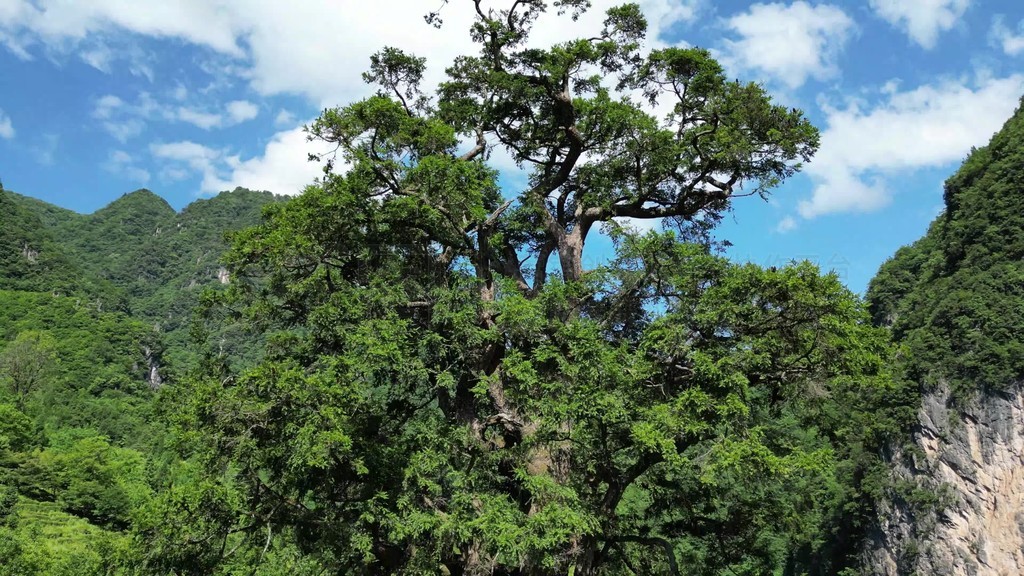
x: 957, y: 506
x: 153, y: 377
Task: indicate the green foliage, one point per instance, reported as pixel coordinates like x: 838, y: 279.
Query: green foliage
x: 31, y: 258
x: 89, y: 478
x: 436, y: 394
x: 26, y: 363
x: 411, y: 371
x: 81, y: 447
x: 160, y: 260
x: 953, y: 298
x: 16, y: 430
x: 43, y: 541
x: 96, y: 363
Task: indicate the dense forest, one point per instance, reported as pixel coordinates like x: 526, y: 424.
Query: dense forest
x: 95, y: 318
x: 408, y: 369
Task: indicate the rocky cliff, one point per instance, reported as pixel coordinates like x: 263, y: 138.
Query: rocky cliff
x: 957, y: 507
x: 955, y: 301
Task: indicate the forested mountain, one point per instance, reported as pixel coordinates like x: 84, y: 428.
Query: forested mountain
x: 31, y: 258
x: 94, y: 315
x: 955, y: 302
x: 955, y: 296
x: 136, y: 255
x: 410, y: 370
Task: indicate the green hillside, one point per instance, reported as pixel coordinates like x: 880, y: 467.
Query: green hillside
x: 955, y: 298
x: 136, y: 255
x: 31, y: 257
x: 49, y: 214
x: 94, y: 315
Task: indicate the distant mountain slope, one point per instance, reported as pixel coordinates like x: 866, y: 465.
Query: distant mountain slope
x: 31, y: 257
x: 136, y: 255
x: 108, y: 242
x: 170, y: 266
x: 49, y: 214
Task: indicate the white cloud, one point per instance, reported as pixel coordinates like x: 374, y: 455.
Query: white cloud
x: 122, y: 164
x: 787, y: 224
x: 789, y: 43
x: 843, y: 191
x: 1011, y: 43
x: 930, y: 126
x: 284, y: 118
x: 242, y: 111
x: 204, y: 120
x: 922, y: 20
x: 236, y: 112
x: 13, y: 15
x: 98, y: 57
x: 6, y: 128
x: 174, y: 173
x: 282, y: 168
x: 289, y: 47
x: 106, y: 106
x: 55, y: 21
x: 125, y: 130
x: 125, y: 120
x: 195, y: 157
x: 277, y: 48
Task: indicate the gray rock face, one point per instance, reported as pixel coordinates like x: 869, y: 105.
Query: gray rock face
x: 958, y: 504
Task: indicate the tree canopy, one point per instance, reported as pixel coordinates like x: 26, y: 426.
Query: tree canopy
x: 452, y: 383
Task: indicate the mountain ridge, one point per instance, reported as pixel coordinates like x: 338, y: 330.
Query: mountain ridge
x: 136, y: 254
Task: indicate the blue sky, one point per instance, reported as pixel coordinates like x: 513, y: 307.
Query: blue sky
x: 190, y: 97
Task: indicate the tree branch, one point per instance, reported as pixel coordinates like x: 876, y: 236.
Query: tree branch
x: 665, y: 545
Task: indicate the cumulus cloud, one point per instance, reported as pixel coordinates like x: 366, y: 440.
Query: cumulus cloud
x: 107, y: 106
x: 242, y: 111
x: 124, y: 120
x: 122, y: 164
x: 284, y: 118
x: 99, y: 58
x: 186, y: 157
x: 235, y: 112
x: 787, y: 224
x: 282, y: 168
x: 1011, y: 42
x: 922, y: 20
x: 196, y: 156
x: 790, y: 43
x: 928, y: 126
x: 6, y: 128
x: 54, y: 22
x: 308, y: 47
x: 199, y: 118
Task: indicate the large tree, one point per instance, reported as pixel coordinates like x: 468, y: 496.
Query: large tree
x: 449, y: 387
x: 26, y: 363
